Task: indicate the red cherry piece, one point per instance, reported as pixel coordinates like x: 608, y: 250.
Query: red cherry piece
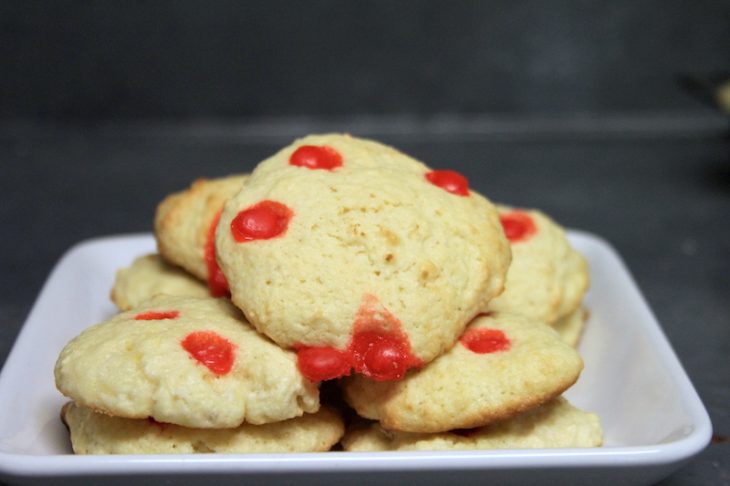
x: 450, y: 181
x: 316, y: 157
x: 262, y: 221
x: 217, y: 282
x: 323, y: 363
x: 210, y: 349
x: 379, y: 356
x: 156, y: 315
x: 518, y: 226
x: 380, y: 349
x: 484, y: 340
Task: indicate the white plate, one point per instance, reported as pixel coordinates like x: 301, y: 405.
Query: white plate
x: 653, y: 419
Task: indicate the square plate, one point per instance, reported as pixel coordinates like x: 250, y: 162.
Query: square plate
x: 652, y: 417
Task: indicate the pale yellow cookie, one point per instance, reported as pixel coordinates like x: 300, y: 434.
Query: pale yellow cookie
x: 355, y: 153
x: 97, y: 433
x: 547, y: 278
x: 184, y: 221
x: 570, y: 327
x: 150, y: 275
x: 318, y: 258
x: 187, y: 361
x: 503, y: 365
x: 556, y: 424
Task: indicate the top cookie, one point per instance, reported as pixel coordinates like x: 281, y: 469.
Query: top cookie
x: 359, y: 256
x: 184, y: 225
x: 186, y: 361
x: 547, y: 278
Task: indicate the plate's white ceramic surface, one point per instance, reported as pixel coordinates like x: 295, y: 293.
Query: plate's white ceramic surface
x: 652, y: 416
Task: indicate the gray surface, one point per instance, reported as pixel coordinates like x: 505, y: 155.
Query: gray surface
x: 187, y: 58
x: 662, y: 198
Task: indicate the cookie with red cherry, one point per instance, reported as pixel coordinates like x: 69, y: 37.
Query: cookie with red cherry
x: 359, y: 257
x: 184, y: 225
x: 98, y: 433
x: 194, y: 362
x: 502, y: 365
x: 555, y: 424
x: 548, y: 277
x: 150, y: 275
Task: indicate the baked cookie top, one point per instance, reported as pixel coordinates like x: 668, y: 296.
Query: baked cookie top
x: 149, y: 275
x: 187, y: 361
x: 554, y: 424
x: 503, y: 365
x: 184, y: 226
x: 547, y: 278
x: 97, y: 433
x: 359, y: 256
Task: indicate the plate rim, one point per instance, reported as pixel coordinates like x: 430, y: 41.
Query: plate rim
x: 14, y: 464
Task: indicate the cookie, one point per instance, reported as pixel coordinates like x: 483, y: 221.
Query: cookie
x: 571, y: 327
x: 150, y: 275
x: 359, y: 257
x: 97, y: 433
x: 554, y: 424
x: 547, y: 278
x: 184, y: 225
x: 187, y: 361
x: 503, y: 365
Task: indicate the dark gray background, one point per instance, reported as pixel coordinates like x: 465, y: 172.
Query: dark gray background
x: 95, y: 60
x: 599, y: 113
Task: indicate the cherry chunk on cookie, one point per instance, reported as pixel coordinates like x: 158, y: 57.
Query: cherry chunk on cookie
x: 378, y: 349
x: 367, y: 261
x: 548, y: 277
x: 503, y: 365
x: 185, y: 223
x: 316, y: 157
x: 194, y: 362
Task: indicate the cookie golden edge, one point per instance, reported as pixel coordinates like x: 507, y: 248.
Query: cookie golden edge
x: 92, y: 432
x: 555, y: 424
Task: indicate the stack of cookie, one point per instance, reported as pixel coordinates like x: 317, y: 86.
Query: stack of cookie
x: 445, y: 321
